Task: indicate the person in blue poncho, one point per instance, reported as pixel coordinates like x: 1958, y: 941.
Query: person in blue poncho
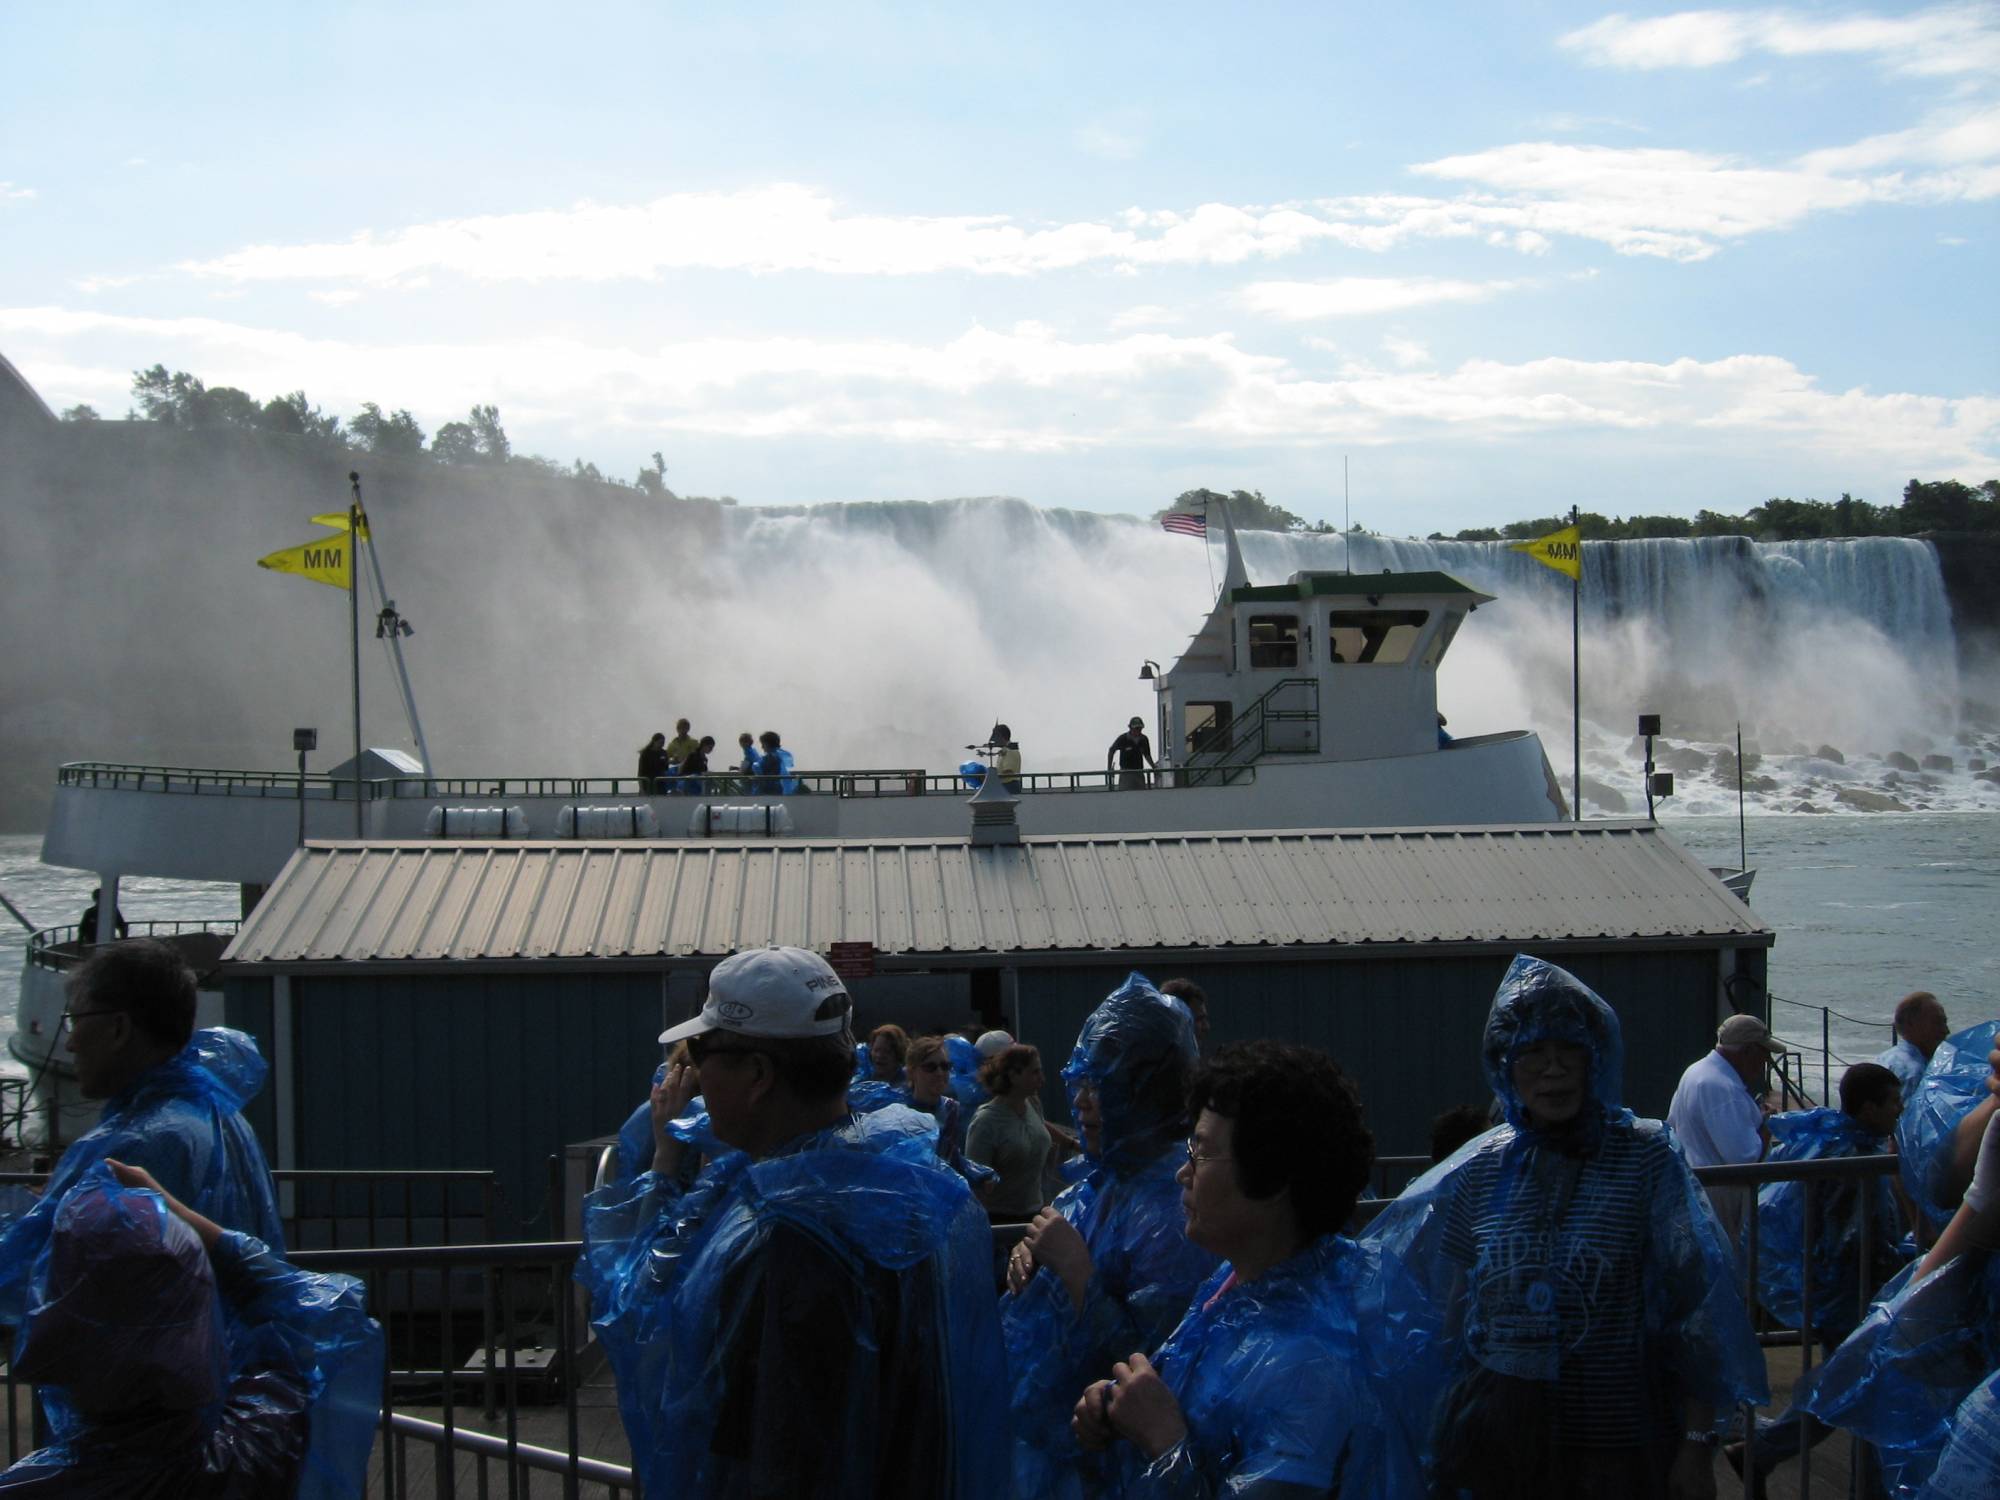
x: 1943, y: 1120
x: 183, y: 1360
x: 1871, y: 1098
x: 1598, y: 1332
x: 1920, y: 1378
x: 814, y: 1317
x: 171, y: 1096
x: 1105, y: 1269
x: 1269, y: 1385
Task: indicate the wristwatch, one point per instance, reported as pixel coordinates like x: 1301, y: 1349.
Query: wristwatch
x: 1703, y: 1436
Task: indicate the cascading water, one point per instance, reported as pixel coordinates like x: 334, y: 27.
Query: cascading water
x: 957, y: 613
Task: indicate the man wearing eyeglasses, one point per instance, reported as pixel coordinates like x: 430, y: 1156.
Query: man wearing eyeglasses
x: 815, y: 1315
x: 172, y: 1101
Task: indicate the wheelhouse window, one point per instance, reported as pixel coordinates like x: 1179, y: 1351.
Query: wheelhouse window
x: 1274, y: 641
x: 1381, y: 637
x: 1205, y: 726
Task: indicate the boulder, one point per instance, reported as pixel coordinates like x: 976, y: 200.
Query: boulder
x: 1992, y: 776
x: 1602, y: 795
x: 1763, y: 785
x: 1682, y: 760
x: 1827, y: 752
x: 1939, y: 763
x: 1901, y: 761
x: 1807, y: 807
x: 1976, y: 763
x: 1863, y: 800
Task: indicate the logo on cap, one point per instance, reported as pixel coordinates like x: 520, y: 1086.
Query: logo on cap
x: 735, y: 1010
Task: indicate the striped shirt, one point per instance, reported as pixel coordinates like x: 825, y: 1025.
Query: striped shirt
x: 1556, y: 1251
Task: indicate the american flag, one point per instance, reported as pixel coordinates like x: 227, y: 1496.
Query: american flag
x: 1186, y: 525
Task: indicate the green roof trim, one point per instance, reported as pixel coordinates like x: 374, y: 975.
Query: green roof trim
x: 1353, y: 585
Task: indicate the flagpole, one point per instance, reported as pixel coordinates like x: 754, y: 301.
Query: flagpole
x: 354, y: 634
x: 1576, y: 682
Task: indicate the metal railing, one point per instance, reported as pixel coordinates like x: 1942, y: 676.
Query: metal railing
x: 57, y: 948
x: 548, y: 1361
x: 194, y: 781
x: 1246, y: 738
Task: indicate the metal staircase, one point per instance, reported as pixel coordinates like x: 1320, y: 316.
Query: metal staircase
x: 1284, y: 721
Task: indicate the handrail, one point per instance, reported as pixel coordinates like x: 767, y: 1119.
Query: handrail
x: 1250, y: 727
x: 42, y: 943
x: 717, y: 785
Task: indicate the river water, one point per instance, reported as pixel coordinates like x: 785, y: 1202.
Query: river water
x: 1866, y: 908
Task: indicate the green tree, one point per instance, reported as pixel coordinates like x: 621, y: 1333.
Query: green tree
x: 456, y: 443
x: 296, y: 415
x: 493, y: 444
x: 397, y: 435
x: 1248, y: 509
x: 653, y: 480
x: 81, y: 413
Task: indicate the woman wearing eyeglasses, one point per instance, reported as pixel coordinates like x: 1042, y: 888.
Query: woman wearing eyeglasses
x: 1269, y: 1384
x: 929, y: 1070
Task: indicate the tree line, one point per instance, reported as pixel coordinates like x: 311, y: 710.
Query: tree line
x: 178, y: 399
x: 1926, y: 506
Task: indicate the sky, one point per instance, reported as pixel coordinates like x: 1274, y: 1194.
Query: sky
x: 1424, y: 267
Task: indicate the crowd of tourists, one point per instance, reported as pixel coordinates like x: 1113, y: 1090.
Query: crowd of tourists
x: 799, y: 1283
x: 684, y: 764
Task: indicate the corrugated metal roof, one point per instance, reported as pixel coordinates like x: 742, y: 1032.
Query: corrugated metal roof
x: 442, y: 901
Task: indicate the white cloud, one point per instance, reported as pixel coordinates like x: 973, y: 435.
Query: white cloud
x: 336, y: 296
x: 1146, y: 315
x: 1359, y: 296
x: 9, y: 190
x: 1943, y: 40
x: 1405, y: 354
x: 1953, y: 239
x: 1025, y: 389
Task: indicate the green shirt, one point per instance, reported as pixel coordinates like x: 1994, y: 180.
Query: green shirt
x: 1015, y: 1146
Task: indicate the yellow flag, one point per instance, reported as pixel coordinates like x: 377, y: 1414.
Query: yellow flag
x: 337, y: 519
x: 328, y: 560
x: 1561, y: 550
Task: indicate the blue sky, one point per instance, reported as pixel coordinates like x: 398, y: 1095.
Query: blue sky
x: 1502, y: 257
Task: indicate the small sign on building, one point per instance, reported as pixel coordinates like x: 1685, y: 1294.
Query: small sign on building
x: 852, y: 960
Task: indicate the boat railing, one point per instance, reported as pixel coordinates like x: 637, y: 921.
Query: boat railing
x: 1826, y: 1057
x: 1259, y: 730
x: 59, y: 949
x: 864, y: 783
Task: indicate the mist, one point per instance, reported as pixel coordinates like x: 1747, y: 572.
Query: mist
x: 559, y: 624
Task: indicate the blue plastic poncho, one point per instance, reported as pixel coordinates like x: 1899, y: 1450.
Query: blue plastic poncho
x: 179, y: 1121
x: 972, y: 773
x: 156, y: 1386
x: 774, y: 773
x: 1281, y: 1383
x: 1837, y: 1302
x: 839, y: 1291
x: 1954, y: 1083
x: 1590, y: 1287
x: 965, y: 1085
x: 691, y: 1129
x: 1900, y: 1378
x: 1969, y: 1467
x: 1137, y: 1053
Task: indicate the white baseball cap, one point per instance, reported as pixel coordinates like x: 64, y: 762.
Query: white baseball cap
x: 770, y: 992
x: 993, y: 1041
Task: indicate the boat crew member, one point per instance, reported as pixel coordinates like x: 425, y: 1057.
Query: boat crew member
x: 1132, y: 750
x: 815, y: 1315
x: 1920, y: 1026
x: 86, y: 925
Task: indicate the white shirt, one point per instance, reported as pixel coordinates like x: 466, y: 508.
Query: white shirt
x: 1714, y: 1116
x: 1905, y: 1061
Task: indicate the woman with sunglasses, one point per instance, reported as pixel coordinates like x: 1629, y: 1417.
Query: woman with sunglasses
x: 929, y: 1070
